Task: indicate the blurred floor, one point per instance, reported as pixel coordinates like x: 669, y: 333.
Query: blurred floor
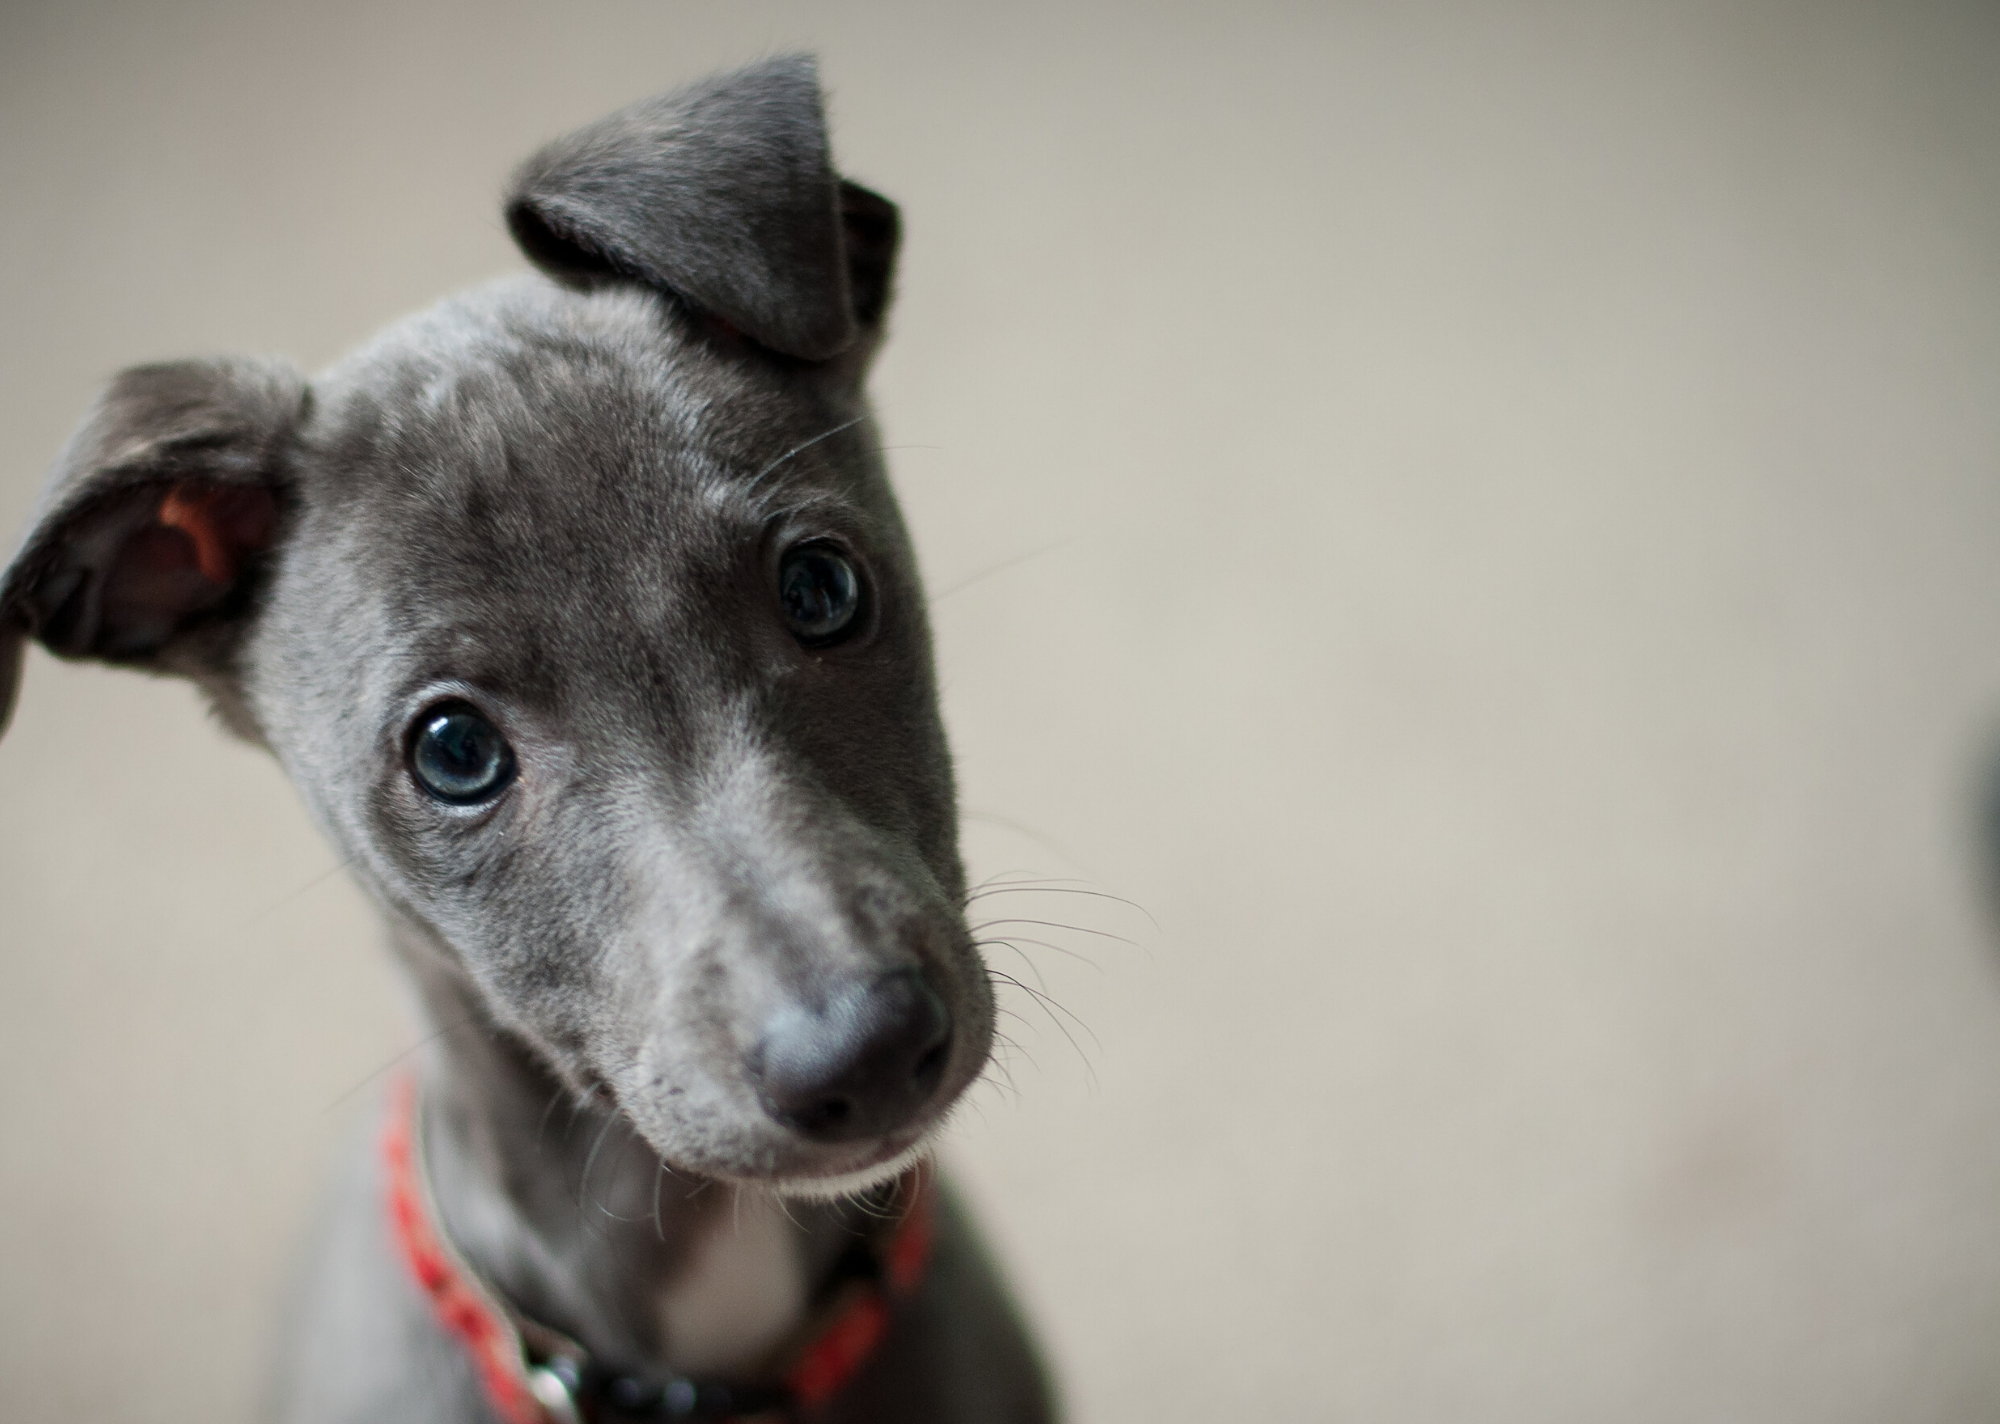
x: 1481, y: 519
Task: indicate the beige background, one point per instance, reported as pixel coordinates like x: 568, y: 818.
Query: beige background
x: 1513, y: 507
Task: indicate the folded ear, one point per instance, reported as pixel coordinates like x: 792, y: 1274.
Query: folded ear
x: 722, y: 194
x: 150, y: 532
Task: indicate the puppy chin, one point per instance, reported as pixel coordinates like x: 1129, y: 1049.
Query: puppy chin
x: 852, y: 1182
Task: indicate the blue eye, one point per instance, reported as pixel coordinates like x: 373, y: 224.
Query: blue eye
x: 459, y: 756
x: 820, y: 593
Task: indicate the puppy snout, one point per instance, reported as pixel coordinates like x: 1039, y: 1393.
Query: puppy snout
x: 862, y: 1066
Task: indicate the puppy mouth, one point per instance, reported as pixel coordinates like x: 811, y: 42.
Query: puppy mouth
x: 796, y: 1165
x: 773, y: 1159
x: 883, y: 1162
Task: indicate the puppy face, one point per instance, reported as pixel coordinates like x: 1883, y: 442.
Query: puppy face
x: 597, y: 647
x: 580, y: 612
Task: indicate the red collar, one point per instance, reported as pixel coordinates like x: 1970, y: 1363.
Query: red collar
x: 533, y: 1375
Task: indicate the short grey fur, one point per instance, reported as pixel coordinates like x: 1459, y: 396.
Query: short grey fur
x: 562, y: 499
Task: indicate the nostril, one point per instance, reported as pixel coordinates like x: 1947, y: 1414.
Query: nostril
x: 826, y: 1115
x: 863, y: 1065
x: 930, y: 1068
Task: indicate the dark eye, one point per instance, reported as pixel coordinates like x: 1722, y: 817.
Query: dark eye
x: 459, y: 756
x: 820, y: 593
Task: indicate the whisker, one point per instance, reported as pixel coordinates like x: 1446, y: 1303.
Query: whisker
x: 1002, y: 567
x: 1000, y: 1064
x: 1047, y: 843
x: 1027, y: 1056
x: 1057, y: 925
x: 548, y: 1112
x: 577, y: 1103
x: 291, y: 895
x: 432, y: 1037
x: 1049, y: 1001
x: 590, y: 1160
x: 995, y: 880
x: 800, y: 448
x: 1026, y: 888
x: 1016, y: 940
x: 1049, y: 1006
x: 1020, y: 877
x: 1009, y: 944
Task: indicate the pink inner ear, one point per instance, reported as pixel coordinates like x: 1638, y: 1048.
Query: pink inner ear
x: 224, y: 521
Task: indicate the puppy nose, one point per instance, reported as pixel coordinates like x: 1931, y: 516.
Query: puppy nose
x: 862, y: 1066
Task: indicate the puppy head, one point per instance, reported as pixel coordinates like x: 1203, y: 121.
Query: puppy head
x: 580, y: 612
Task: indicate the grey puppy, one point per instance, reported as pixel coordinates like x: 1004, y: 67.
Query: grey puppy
x: 580, y: 612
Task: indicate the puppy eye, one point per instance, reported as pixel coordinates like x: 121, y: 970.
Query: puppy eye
x: 820, y: 593
x: 459, y: 756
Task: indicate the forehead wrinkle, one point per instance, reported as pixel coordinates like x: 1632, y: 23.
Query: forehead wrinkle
x: 803, y: 481
x: 549, y: 460
x: 572, y: 477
